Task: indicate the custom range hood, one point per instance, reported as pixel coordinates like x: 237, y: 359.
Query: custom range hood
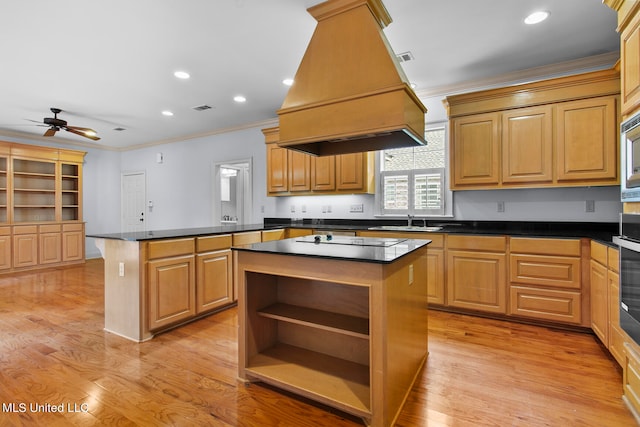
x: 350, y: 94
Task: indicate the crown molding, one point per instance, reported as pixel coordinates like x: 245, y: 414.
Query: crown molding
x: 591, y: 63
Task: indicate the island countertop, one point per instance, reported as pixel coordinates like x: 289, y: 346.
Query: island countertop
x: 140, y: 236
x: 362, y: 249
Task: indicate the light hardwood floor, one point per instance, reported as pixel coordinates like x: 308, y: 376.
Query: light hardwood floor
x: 480, y: 372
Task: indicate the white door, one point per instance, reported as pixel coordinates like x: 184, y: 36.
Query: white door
x: 133, y: 201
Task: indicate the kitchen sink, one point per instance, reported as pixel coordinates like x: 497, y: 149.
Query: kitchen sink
x: 406, y: 228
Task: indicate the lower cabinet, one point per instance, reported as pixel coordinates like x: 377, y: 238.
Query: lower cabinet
x: 72, y: 242
x: 546, y: 279
x: 214, y: 280
x: 631, y: 378
x: 171, y: 286
x: 25, y: 246
x: 50, y: 244
x: 476, y: 273
x: 5, y: 248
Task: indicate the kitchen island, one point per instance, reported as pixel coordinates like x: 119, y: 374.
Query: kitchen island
x: 342, y: 320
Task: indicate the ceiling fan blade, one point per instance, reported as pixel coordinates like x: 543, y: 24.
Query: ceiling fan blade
x: 74, y: 130
x: 50, y: 132
x: 34, y: 121
x: 80, y: 129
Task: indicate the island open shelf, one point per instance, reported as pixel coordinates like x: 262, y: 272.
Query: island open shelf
x: 345, y: 333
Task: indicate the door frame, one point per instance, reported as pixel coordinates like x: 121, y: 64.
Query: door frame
x: 216, y: 212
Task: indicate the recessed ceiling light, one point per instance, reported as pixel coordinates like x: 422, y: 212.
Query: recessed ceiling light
x: 536, y: 17
x: 182, y: 75
x: 167, y: 113
x: 239, y: 98
x: 287, y: 82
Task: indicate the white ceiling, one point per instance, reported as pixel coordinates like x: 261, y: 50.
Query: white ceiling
x: 110, y: 64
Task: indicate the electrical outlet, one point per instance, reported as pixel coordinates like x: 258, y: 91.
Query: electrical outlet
x: 411, y: 274
x: 500, y: 206
x: 304, y: 208
x: 590, y: 206
x: 328, y: 208
x: 293, y: 209
x: 121, y: 269
x: 357, y: 208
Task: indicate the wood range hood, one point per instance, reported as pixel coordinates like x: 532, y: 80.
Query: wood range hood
x: 350, y: 94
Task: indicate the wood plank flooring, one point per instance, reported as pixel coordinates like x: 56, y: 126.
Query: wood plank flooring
x: 54, y: 355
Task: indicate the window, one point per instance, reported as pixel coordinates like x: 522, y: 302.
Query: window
x: 413, y: 179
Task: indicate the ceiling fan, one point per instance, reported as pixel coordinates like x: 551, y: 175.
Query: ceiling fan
x: 55, y: 124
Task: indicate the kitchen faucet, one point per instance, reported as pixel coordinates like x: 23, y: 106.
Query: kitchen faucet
x: 410, y: 218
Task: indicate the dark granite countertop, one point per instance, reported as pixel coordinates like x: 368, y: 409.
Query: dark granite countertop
x: 602, y: 232
x: 182, y: 232
x: 340, y: 251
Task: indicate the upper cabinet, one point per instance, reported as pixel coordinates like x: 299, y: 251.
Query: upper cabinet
x: 559, y: 132
x: 40, y: 184
x: 629, y: 30
x: 291, y: 173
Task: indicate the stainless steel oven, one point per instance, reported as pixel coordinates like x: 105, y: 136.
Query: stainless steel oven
x: 630, y: 159
x: 629, y: 244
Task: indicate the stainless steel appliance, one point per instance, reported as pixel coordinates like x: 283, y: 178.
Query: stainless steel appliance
x: 630, y: 159
x: 629, y: 243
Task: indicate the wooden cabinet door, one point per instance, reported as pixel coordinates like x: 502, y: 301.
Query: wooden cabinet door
x: 25, y: 250
x: 323, y: 173
x: 277, y: 169
x: 350, y: 171
x: 586, y: 141
x: 630, y: 70
x: 435, y: 276
x: 72, y: 245
x: 600, y: 302
x: 476, y: 280
x: 616, y: 336
x: 527, y: 145
x: 171, y: 290
x: 50, y: 248
x: 299, y: 171
x: 475, y: 151
x: 214, y: 280
x: 5, y: 248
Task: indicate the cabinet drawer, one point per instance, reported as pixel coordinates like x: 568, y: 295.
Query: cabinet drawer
x: 268, y: 235
x: 599, y: 253
x: 5, y: 231
x: 298, y: 232
x: 213, y: 243
x: 557, y: 271
x: 478, y: 243
x: 247, y: 238
x: 50, y: 228
x: 541, y: 246
x: 168, y: 248
x: 72, y: 227
x: 25, y: 229
x: 546, y: 304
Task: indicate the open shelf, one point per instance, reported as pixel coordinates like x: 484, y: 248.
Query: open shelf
x: 330, y: 380
x: 320, y: 319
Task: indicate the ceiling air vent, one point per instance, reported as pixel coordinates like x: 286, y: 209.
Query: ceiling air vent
x: 119, y: 129
x: 202, y: 107
x: 405, y: 56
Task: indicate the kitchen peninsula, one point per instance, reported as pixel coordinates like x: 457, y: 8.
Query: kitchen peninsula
x: 340, y: 320
x: 156, y: 280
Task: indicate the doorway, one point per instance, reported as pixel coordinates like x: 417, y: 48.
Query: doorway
x: 232, y: 195
x: 134, y: 188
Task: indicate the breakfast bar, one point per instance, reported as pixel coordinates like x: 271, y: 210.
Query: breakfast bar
x: 339, y: 320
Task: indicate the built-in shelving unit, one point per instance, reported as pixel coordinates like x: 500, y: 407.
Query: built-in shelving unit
x: 314, y: 336
x: 40, y: 206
